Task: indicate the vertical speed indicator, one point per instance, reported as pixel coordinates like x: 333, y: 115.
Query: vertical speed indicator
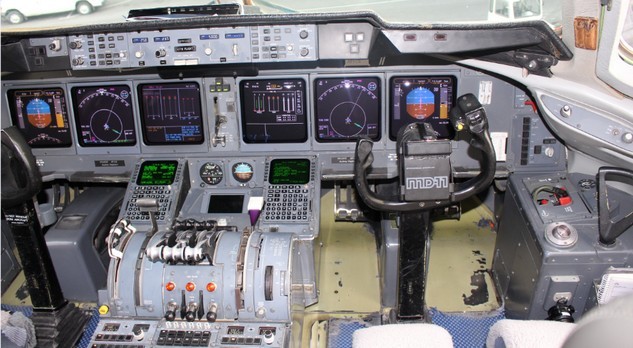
x: 347, y: 108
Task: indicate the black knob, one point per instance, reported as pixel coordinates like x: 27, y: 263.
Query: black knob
x: 212, y: 316
x: 170, y: 315
x: 190, y: 316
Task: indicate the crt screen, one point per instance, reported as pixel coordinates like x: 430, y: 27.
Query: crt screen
x: 41, y: 116
x: 104, y: 115
x: 157, y: 173
x: 171, y: 113
x: 422, y: 99
x: 347, y: 108
x: 273, y: 111
x: 289, y: 171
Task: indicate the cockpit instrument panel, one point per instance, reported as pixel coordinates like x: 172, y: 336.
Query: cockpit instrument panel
x: 273, y: 111
x: 347, y: 108
x: 422, y: 99
x: 42, y: 116
x: 104, y: 115
x: 171, y: 113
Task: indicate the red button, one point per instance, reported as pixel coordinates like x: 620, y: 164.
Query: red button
x: 190, y: 286
x: 170, y: 286
x: 211, y: 287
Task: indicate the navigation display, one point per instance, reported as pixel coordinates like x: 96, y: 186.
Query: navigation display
x: 289, y: 171
x: 347, y: 108
x: 273, y: 111
x: 157, y: 173
x: 42, y: 116
x: 422, y: 99
x: 171, y: 113
x: 104, y: 116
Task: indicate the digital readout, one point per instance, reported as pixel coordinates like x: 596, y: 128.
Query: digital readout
x: 289, y: 171
x: 157, y: 173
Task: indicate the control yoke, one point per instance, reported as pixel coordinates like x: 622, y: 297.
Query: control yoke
x: 21, y: 178
x: 424, y: 162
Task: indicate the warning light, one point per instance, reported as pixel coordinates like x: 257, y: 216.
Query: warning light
x: 190, y: 287
x: 170, y: 286
x: 211, y: 287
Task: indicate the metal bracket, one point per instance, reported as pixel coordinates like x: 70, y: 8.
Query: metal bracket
x: 534, y: 63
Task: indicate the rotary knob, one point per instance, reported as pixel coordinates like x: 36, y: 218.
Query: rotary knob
x: 627, y: 137
x: 73, y: 45
x: 138, y: 334
x: 160, y: 53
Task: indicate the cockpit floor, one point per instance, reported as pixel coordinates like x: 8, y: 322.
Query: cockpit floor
x: 459, y: 277
x: 348, y: 278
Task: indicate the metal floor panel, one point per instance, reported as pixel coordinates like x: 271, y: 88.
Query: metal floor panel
x: 460, y: 262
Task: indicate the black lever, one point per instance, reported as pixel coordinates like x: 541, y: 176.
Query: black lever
x: 611, y: 223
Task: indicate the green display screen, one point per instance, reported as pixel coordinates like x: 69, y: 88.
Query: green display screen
x: 289, y: 171
x: 157, y: 173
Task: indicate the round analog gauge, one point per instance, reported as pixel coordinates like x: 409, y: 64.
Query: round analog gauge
x: 211, y: 173
x: 587, y: 184
x: 347, y: 109
x: 242, y: 172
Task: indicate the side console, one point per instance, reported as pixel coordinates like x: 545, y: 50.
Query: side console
x: 548, y: 247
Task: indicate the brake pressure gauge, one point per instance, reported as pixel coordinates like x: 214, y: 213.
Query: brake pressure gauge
x: 211, y: 173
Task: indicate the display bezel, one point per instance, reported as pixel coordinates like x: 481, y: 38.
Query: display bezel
x: 245, y: 122
x: 446, y: 131
x: 225, y: 204
x: 273, y: 180
x: 341, y: 79
x: 167, y: 180
x: 76, y: 102
x: 11, y: 95
x: 144, y: 126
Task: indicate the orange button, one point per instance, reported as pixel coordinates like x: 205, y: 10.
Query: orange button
x: 211, y: 287
x: 190, y: 286
x: 170, y: 286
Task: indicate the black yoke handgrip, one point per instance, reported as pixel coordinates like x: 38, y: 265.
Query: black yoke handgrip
x: 21, y: 178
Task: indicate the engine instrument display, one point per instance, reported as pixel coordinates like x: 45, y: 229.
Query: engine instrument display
x: 171, y: 113
x: 157, y: 173
x: 294, y: 171
x: 347, y: 108
x: 42, y: 116
x: 104, y: 116
x: 273, y: 111
x: 422, y: 99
